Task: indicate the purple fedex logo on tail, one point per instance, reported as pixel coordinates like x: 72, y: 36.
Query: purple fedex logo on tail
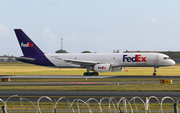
x: 137, y: 58
x: 26, y: 45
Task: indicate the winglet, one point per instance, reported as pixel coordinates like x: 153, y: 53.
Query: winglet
x: 28, y: 47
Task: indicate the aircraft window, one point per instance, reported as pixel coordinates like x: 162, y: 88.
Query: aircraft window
x: 167, y: 58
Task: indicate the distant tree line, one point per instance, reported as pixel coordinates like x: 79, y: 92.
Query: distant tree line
x: 64, y: 51
x: 61, y: 51
x: 116, y: 51
x: 86, y: 52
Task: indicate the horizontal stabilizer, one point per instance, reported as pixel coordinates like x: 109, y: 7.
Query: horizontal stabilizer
x: 24, y: 58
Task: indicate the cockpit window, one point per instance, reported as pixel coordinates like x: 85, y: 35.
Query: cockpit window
x: 167, y: 58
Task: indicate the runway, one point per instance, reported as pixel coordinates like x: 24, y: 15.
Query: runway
x: 91, y: 77
x: 109, y: 82
x: 51, y: 76
x: 90, y: 93
x: 52, y: 83
x: 77, y: 83
x: 34, y: 95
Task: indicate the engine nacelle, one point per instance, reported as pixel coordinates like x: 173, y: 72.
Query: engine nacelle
x: 102, y: 68
x: 117, y: 69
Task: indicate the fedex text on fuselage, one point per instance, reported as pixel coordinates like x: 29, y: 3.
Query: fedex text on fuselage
x: 136, y: 58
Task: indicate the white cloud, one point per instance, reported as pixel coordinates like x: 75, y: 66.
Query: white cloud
x: 149, y: 23
x: 98, y: 37
x: 49, y: 38
x: 3, y: 30
x: 73, y: 37
x: 154, y: 20
x: 155, y: 42
x: 48, y: 33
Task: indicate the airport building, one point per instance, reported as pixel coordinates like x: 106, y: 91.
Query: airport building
x: 7, y: 59
x: 3, y: 58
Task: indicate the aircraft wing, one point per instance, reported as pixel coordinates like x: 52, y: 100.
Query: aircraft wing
x: 24, y: 58
x: 80, y: 62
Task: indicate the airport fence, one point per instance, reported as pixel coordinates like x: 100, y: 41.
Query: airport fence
x: 45, y: 104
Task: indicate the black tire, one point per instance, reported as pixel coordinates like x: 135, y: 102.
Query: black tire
x: 154, y: 74
x: 92, y: 74
x: 85, y: 74
x: 96, y: 73
x: 88, y: 74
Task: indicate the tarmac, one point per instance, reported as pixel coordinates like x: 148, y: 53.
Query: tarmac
x: 93, y: 77
x: 34, y: 95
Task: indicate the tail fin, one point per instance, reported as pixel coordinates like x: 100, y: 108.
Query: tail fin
x: 28, y: 47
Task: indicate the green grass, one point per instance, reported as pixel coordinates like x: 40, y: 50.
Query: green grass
x: 138, y: 87
x: 18, y: 68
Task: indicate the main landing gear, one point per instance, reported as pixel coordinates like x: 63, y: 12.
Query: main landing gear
x: 91, y: 73
x: 154, y: 74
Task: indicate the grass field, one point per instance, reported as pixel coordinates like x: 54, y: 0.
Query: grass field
x: 19, y: 68
x: 28, y: 69
x: 138, y: 87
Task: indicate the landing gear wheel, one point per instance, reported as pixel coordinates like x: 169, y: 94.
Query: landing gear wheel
x: 154, y: 74
x: 85, y: 74
x: 92, y: 74
x: 96, y: 73
x: 88, y: 74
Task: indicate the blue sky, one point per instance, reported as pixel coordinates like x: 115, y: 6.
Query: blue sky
x: 96, y: 25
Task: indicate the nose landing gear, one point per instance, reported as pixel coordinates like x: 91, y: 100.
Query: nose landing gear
x: 154, y: 74
x: 90, y: 73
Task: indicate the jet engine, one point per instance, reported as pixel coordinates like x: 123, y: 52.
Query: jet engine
x: 102, y: 67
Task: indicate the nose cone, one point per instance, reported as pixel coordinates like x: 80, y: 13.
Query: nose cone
x: 172, y: 62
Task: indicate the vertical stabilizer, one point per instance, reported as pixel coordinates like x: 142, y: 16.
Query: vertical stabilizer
x: 28, y: 47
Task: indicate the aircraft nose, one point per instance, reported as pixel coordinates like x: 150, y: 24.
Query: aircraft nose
x: 172, y: 62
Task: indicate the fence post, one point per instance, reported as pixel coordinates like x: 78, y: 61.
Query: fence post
x: 55, y: 110
x: 4, y: 109
x: 175, y: 108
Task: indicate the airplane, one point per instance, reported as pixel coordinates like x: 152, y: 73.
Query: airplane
x: 96, y: 62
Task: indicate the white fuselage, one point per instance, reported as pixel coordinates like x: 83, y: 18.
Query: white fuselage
x: 115, y: 59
